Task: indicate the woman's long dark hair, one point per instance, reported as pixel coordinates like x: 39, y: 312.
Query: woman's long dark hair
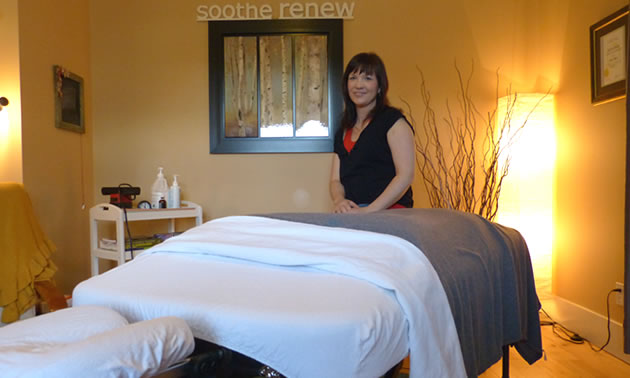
x: 370, y: 64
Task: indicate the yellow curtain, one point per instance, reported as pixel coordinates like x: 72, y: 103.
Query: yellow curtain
x: 25, y: 252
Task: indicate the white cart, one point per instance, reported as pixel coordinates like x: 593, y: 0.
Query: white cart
x: 106, y: 212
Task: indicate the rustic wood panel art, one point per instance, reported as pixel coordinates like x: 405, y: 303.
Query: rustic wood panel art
x: 312, y: 86
x: 276, y: 86
x: 241, y: 87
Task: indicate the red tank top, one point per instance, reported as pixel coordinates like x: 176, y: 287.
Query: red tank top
x: 347, y: 140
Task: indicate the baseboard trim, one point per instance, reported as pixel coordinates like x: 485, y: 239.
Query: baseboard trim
x: 588, y: 324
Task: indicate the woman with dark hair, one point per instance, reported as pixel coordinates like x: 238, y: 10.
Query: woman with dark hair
x: 374, y: 160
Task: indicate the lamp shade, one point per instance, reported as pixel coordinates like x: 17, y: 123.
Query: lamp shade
x: 526, y: 200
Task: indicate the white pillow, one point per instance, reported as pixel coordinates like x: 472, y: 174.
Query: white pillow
x: 136, y: 350
x: 62, y: 326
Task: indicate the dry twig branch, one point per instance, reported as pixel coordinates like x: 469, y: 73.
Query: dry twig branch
x: 447, y: 156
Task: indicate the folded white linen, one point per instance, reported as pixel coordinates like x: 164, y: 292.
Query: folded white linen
x: 337, y: 325
x: 386, y: 261
x: 94, y: 342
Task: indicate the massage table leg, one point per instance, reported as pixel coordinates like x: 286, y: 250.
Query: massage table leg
x: 506, y: 361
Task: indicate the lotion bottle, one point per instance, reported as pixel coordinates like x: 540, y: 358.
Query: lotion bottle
x: 159, y: 190
x: 173, y: 194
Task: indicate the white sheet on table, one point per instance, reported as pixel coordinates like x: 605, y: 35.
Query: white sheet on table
x: 92, y: 341
x: 297, y: 334
x: 353, y: 329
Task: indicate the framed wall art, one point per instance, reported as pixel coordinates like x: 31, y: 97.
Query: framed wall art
x: 609, y: 43
x: 274, y: 85
x: 68, y: 100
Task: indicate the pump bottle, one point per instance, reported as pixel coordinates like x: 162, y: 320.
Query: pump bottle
x: 173, y: 194
x: 159, y: 190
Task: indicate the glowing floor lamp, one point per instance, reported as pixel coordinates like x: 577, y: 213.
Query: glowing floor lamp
x: 10, y: 143
x: 4, y: 119
x: 526, y: 200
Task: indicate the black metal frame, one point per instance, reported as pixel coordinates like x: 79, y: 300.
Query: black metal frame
x: 505, y: 361
x: 213, y: 361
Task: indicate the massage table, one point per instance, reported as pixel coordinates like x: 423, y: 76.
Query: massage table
x: 340, y: 295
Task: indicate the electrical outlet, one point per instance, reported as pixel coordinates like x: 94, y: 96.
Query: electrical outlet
x: 619, y: 296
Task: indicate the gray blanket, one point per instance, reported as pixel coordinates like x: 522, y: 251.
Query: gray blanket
x: 484, y: 267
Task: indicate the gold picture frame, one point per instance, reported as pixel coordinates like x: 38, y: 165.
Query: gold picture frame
x: 69, y: 112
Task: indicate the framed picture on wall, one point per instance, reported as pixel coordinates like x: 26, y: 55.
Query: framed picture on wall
x: 609, y: 43
x: 68, y: 100
x: 275, y: 85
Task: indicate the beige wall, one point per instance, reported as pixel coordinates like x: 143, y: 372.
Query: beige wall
x: 10, y: 117
x: 147, y: 73
x: 151, y: 100
x: 590, y: 179
x: 150, y: 75
x: 57, y: 164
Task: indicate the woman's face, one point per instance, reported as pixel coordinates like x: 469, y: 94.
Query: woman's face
x: 362, y: 89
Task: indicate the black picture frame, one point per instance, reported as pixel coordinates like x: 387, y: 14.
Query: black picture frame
x: 69, y: 108
x: 218, y: 30
x: 608, y: 40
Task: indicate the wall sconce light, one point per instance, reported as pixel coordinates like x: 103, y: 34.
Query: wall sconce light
x: 3, y: 102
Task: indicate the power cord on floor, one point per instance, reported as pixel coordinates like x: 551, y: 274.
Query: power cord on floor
x: 128, y: 233
x: 608, y: 316
x: 127, y: 223
x: 573, y: 337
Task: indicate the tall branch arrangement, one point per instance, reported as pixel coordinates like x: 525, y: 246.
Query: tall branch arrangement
x: 456, y: 174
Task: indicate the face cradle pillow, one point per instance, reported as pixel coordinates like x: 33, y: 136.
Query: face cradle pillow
x: 92, y: 340
x: 63, y: 326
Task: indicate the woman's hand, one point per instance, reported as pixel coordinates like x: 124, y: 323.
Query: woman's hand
x: 345, y: 206
x: 362, y: 210
x: 337, y: 191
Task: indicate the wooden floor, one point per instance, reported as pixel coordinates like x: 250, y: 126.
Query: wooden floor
x: 563, y: 360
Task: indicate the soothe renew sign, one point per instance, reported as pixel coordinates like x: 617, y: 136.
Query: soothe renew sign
x: 247, y: 11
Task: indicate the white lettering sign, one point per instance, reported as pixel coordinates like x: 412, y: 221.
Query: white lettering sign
x: 293, y: 10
